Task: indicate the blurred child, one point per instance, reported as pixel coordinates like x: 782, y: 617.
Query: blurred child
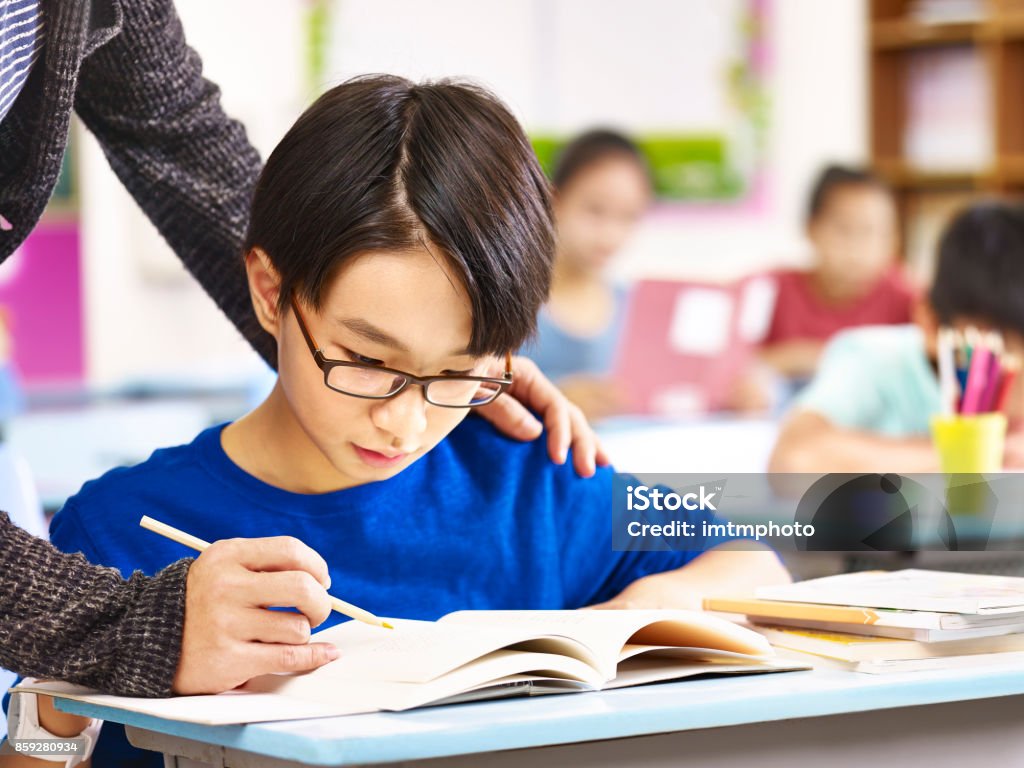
x: 399, y: 248
x: 868, y: 407
x: 851, y: 223
x: 602, y: 190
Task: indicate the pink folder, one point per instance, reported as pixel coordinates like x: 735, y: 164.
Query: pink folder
x: 684, y: 344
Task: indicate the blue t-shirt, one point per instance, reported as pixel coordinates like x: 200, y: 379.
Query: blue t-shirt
x: 559, y: 353
x: 482, y: 521
x: 877, y: 379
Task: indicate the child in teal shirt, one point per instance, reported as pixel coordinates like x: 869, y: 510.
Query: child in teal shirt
x: 868, y: 407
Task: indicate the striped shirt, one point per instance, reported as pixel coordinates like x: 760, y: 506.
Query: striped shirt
x: 21, y: 41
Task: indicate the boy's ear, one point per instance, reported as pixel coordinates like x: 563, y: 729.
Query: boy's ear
x: 265, y: 289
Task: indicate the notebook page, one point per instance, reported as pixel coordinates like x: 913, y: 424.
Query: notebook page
x: 320, y: 687
x: 607, y: 632
x: 421, y: 651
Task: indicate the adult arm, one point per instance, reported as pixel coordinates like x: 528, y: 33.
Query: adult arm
x: 62, y: 617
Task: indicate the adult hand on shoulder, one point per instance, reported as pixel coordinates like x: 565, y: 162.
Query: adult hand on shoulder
x: 566, y: 425
x: 229, y: 635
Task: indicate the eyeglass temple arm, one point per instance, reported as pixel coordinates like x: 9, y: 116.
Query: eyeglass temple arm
x: 310, y: 341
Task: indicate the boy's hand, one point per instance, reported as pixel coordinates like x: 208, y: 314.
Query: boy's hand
x: 229, y: 636
x: 652, y: 592
x: 733, y: 567
x: 60, y: 724
x: 566, y: 425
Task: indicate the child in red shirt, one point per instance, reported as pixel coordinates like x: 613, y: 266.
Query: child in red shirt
x: 852, y: 225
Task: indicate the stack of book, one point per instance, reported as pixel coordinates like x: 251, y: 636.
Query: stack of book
x: 946, y: 11
x: 898, y: 621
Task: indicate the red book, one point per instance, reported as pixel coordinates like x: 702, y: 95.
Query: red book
x: 684, y: 344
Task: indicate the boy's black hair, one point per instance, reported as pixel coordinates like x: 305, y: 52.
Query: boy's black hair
x: 382, y: 163
x: 593, y: 147
x: 835, y: 177
x: 980, y: 271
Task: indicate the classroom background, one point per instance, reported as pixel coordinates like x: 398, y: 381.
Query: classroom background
x: 737, y: 105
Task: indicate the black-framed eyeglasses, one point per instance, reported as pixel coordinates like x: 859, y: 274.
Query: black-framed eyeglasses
x: 375, y: 382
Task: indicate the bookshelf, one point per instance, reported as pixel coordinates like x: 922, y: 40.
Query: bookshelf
x: 946, y: 108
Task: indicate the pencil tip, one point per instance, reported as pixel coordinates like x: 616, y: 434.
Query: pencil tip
x: 386, y: 625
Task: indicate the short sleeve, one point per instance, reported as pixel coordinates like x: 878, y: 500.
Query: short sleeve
x: 844, y: 390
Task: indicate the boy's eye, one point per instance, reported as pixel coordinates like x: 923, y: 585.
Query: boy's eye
x: 467, y: 372
x: 357, y: 358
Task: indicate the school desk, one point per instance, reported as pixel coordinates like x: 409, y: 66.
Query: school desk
x: 701, y: 444
x: 815, y: 718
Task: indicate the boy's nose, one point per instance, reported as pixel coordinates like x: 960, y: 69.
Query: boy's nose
x: 404, y: 416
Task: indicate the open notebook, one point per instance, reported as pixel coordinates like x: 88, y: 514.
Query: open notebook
x: 472, y: 655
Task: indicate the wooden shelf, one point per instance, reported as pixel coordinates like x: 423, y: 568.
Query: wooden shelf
x: 1011, y: 26
x: 906, y: 177
x: 894, y: 41
x: 1012, y: 168
x: 906, y: 33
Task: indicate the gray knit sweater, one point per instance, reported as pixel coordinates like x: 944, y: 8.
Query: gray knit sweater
x: 124, y: 67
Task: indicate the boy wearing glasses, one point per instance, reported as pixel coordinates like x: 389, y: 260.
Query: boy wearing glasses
x: 400, y: 246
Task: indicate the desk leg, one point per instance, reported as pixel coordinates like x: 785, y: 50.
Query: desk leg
x: 177, y: 752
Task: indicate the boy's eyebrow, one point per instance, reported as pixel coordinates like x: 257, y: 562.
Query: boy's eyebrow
x: 370, y: 332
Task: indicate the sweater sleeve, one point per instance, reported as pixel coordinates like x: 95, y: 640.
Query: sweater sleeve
x: 189, y: 167
x: 62, y: 617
